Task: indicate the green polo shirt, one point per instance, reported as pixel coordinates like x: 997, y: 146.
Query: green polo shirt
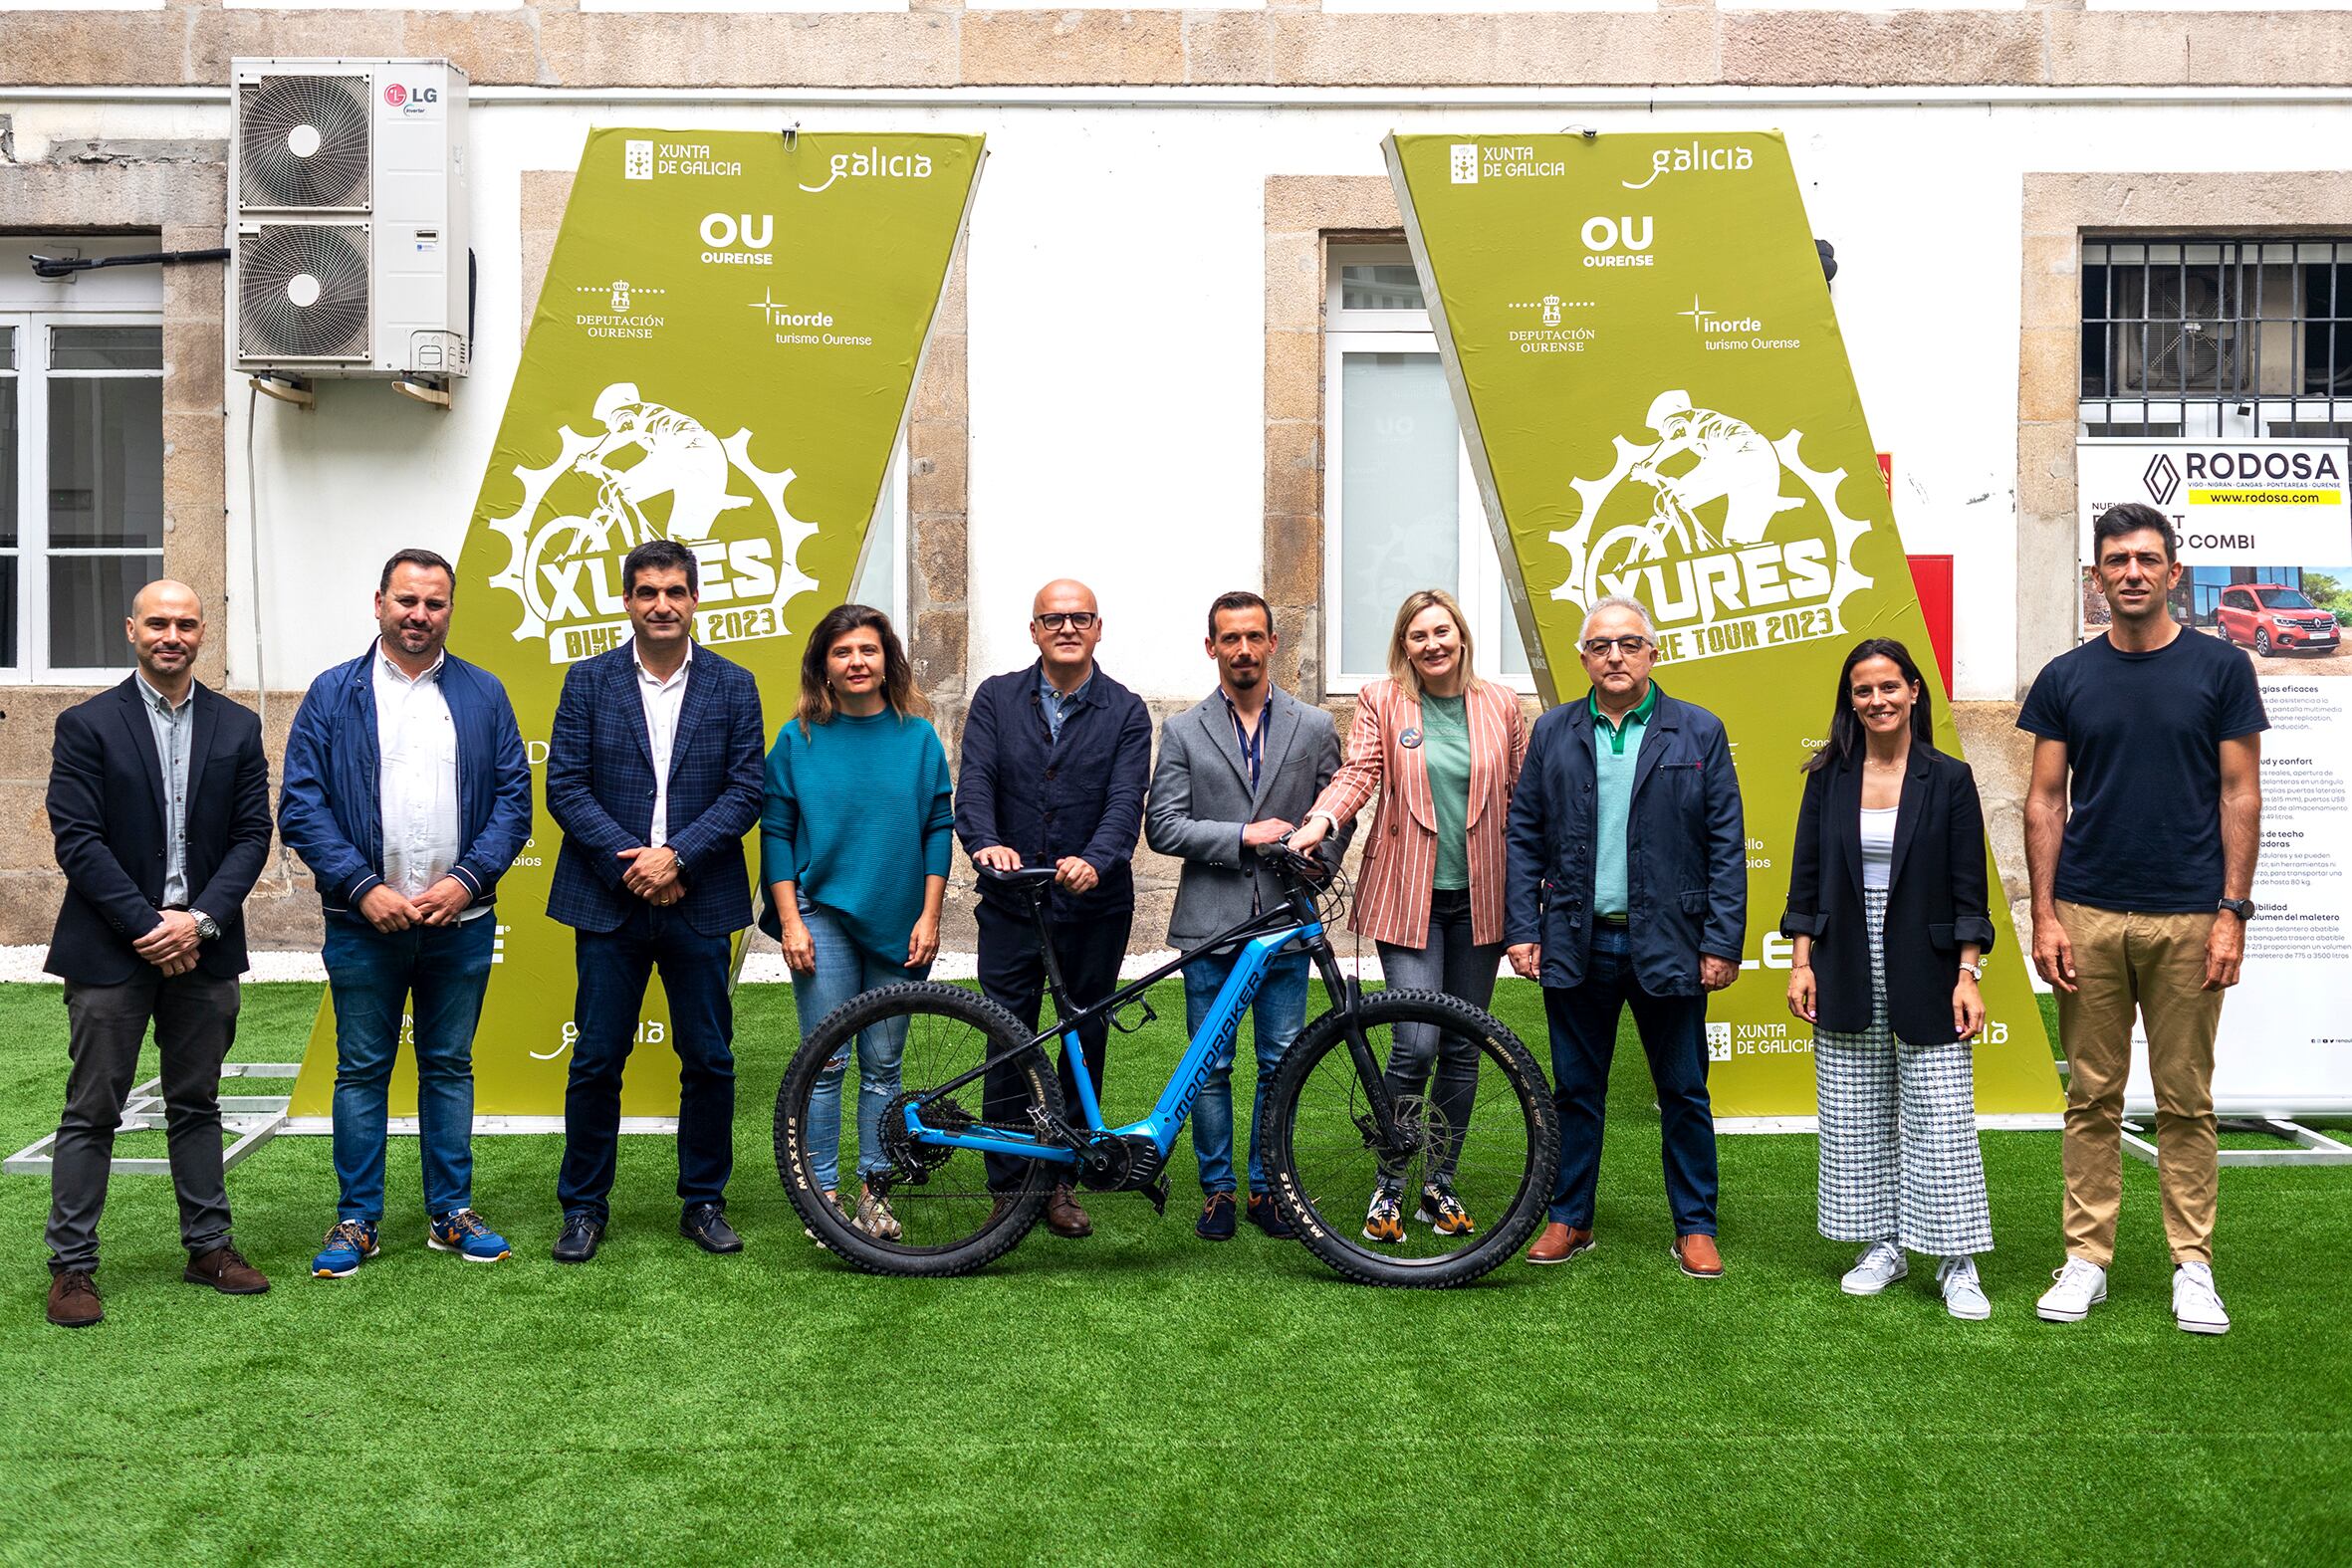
x: 1617, y: 749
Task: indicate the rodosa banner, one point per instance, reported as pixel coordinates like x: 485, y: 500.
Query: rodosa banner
x: 1658, y: 403
x: 723, y: 354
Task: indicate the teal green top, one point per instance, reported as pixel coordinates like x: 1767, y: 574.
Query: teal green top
x: 857, y: 815
x: 1616, y: 748
x: 1444, y: 752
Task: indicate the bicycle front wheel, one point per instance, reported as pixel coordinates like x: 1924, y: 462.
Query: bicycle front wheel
x: 1466, y: 1178
x: 889, y: 1202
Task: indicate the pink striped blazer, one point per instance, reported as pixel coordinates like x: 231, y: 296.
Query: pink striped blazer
x: 1400, y: 858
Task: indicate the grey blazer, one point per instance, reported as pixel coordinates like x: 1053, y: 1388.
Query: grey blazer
x: 1201, y: 799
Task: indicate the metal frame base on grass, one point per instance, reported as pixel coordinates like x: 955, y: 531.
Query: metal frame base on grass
x: 2014, y: 1121
x: 2313, y: 1148
x: 254, y: 1118
x: 492, y: 1126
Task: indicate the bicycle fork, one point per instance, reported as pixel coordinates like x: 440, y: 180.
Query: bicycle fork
x: 1381, y: 1133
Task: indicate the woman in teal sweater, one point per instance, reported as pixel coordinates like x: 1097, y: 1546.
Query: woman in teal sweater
x: 854, y: 846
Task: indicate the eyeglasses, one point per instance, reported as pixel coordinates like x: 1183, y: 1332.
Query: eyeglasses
x: 1599, y: 647
x: 1076, y: 620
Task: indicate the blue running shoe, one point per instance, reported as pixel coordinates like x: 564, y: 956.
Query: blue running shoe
x: 462, y: 1232
x: 351, y: 1244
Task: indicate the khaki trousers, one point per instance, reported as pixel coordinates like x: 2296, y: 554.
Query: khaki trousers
x: 2153, y: 965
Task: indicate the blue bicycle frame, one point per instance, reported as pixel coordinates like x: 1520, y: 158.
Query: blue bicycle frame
x: 1296, y: 921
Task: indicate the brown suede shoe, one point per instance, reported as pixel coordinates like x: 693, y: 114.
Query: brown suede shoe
x: 73, y: 1299
x: 1698, y: 1257
x: 226, y: 1271
x: 1064, y: 1218
x: 1558, y: 1243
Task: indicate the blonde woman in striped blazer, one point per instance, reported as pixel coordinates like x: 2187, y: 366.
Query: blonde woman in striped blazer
x: 1442, y: 749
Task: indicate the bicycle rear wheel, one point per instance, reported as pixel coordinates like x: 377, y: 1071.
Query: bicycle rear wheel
x: 1481, y: 1132
x: 903, y: 1207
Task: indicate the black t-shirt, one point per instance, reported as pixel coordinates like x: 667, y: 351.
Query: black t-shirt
x: 2144, y: 733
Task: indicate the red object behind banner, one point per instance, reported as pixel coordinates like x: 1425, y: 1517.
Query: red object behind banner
x: 1932, y: 577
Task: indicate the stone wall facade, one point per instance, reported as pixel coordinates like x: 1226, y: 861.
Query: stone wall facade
x: 938, y: 42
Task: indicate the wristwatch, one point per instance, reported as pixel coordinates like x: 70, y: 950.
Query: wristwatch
x: 207, y: 928
x: 2242, y: 908
x: 1976, y: 970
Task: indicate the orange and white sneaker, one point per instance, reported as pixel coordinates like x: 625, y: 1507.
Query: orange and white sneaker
x: 1385, y: 1221
x: 1442, y: 1211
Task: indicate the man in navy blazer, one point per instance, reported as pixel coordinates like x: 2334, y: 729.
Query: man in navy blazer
x: 655, y: 774
x: 1626, y: 885
x: 409, y: 794
x: 159, y: 799
x: 1055, y: 760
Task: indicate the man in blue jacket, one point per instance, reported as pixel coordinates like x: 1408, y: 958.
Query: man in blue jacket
x: 407, y: 794
x: 1627, y: 886
x: 655, y: 771
x: 1056, y: 758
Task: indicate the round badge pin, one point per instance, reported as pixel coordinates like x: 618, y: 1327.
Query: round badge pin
x: 1409, y: 740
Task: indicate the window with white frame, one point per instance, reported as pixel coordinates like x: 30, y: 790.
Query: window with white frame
x: 1401, y: 508
x: 81, y: 466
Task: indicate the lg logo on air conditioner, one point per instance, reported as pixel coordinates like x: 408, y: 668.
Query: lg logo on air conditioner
x: 412, y: 101
x: 738, y: 239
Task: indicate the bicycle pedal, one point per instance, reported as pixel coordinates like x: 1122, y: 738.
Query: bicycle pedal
x: 1157, y: 1192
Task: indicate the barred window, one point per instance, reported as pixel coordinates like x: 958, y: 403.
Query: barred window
x: 2204, y: 337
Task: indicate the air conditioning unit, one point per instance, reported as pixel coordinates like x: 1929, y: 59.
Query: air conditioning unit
x: 347, y: 219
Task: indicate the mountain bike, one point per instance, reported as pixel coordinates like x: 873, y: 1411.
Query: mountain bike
x: 972, y: 1133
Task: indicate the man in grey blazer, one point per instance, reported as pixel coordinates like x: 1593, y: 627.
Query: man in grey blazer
x: 1236, y: 771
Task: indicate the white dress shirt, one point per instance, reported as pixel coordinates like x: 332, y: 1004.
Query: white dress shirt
x: 417, y: 779
x: 663, y: 701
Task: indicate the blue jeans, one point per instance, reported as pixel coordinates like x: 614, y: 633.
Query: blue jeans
x: 1278, y: 1011
x: 1449, y: 962
x: 844, y: 971
x: 370, y: 976
x: 615, y: 967
x: 1673, y: 1032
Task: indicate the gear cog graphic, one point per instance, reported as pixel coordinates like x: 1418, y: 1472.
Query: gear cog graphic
x: 1593, y: 551
x: 536, y: 544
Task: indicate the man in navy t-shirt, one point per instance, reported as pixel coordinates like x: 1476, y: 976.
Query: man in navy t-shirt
x: 2141, y: 874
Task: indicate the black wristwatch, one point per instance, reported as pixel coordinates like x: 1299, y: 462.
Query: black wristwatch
x: 2242, y: 908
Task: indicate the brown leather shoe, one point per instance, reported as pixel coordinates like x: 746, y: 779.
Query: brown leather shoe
x: 225, y: 1270
x: 1698, y: 1257
x: 1558, y: 1243
x: 1064, y: 1218
x: 73, y: 1299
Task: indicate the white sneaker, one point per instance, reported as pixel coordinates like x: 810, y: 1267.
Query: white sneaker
x: 2196, y: 1306
x: 1964, y: 1292
x: 2080, y: 1286
x: 1879, y: 1266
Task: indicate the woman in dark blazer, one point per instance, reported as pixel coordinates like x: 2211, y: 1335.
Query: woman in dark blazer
x: 1886, y: 906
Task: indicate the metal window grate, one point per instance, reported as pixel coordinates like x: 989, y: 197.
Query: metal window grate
x: 2216, y: 336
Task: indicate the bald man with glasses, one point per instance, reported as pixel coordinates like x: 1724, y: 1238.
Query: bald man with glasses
x: 1053, y: 767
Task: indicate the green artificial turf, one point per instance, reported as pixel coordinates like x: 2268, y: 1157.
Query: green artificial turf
x: 1142, y: 1395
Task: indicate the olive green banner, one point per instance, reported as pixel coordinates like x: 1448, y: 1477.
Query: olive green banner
x: 1658, y: 404
x: 723, y: 354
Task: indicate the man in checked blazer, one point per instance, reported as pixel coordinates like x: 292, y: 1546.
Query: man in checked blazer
x: 1236, y: 771
x: 655, y: 774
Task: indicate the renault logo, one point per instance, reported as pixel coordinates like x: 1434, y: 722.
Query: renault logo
x: 2162, y: 479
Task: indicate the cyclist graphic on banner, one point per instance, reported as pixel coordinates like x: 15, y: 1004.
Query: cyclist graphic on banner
x: 678, y: 458
x: 1735, y: 465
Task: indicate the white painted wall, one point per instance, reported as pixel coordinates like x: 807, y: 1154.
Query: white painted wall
x: 1116, y: 343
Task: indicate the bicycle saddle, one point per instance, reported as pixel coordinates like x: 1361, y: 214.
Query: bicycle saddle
x: 1034, y: 879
